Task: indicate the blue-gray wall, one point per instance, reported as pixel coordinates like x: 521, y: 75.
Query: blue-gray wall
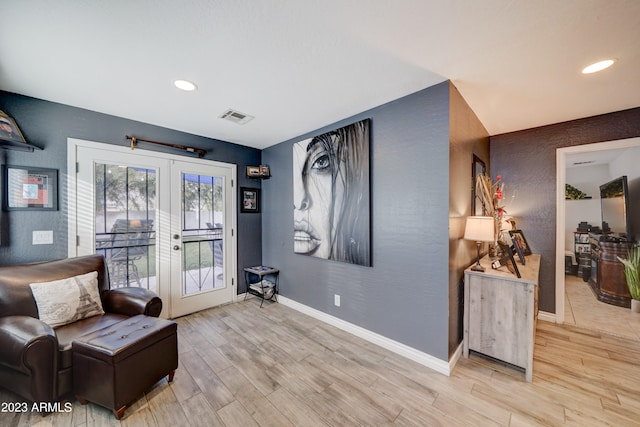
x: 48, y: 125
x: 405, y: 294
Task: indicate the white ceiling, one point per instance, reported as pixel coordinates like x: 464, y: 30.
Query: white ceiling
x: 600, y: 157
x: 298, y: 65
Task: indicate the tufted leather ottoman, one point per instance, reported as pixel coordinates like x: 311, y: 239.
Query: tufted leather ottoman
x: 115, y: 365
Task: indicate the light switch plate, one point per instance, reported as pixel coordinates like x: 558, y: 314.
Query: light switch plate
x: 42, y: 237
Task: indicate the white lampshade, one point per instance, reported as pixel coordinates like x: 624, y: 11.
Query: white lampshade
x: 479, y: 228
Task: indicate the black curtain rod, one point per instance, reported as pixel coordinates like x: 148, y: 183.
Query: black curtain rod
x: 135, y: 140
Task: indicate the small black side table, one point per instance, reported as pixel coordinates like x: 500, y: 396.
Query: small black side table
x: 262, y: 281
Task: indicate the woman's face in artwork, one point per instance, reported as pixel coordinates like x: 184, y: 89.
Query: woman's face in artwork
x: 6, y: 127
x: 317, y: 201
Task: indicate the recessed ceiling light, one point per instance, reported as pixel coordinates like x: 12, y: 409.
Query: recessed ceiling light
x: 185, y: 85
x: 598, y: 66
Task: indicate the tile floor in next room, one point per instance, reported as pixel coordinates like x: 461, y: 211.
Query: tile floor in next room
x: 582, y: 309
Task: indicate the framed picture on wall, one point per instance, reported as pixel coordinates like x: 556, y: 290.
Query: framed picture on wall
x: 30, y: 188
x: 331, y: 195
x: 478, y: 167
x: 249, y: 200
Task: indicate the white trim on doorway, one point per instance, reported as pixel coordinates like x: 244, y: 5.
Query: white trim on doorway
x: 152, y: 159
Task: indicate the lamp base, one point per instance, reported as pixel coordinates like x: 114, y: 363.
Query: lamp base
x: 477, y: 267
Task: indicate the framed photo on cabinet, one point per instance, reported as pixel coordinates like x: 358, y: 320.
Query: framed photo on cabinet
x: 518, y: 239
x: 509, y: 260
x: 518, y: 250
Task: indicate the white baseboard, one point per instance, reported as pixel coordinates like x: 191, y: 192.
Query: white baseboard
x: 546, y: 316
x: 418, y: 356
x: 456, y: 356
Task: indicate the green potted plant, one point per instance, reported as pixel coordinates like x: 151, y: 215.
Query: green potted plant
x: 632, y: 274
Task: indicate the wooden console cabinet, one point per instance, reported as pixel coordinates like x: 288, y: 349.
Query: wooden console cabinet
x: 607, y: 273
x: 500, y: 313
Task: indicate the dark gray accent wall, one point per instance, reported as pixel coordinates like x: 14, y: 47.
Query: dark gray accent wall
x: 405, y: 294
x: 48, y: 125
x: 527, y: 162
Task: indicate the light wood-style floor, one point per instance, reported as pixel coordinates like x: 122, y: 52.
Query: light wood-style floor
x: 245, y: 366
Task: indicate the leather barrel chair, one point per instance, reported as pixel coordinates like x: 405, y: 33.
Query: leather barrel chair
x: 36, y: 359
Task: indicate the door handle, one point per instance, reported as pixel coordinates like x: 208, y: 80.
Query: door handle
x: 176, y: 248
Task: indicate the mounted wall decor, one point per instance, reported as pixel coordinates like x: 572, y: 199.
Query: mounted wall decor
x: 250, y: 200
x: 478, y: 167
x: 10, y: 136
x: 572, y: 193
x: 30, y: 188
x: 258, y: 172
x: 134, y: 143
x: 331, y: 195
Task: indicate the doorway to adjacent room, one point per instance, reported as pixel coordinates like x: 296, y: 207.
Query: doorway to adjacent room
x: 575, y: 302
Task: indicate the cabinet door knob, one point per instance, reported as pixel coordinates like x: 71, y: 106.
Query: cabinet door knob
x: 176, y: 248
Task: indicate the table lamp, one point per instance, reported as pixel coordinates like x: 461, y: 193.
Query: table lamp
x: 480, y: 229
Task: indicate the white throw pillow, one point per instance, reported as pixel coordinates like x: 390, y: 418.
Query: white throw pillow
x: 67, y: 300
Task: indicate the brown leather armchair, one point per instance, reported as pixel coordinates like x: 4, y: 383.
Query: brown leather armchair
x: 35, y: 359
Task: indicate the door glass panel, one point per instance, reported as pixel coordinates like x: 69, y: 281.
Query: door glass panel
x: 125, y: 209
x: 202, y: 233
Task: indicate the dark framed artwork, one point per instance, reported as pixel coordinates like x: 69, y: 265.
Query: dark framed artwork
x: 518, y: 239
x: 478, y: 167
x: 30, y: 188
x: 250, y: 200
x: 331, y: 195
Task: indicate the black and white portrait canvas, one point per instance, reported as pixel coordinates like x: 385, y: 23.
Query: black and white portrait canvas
x: 331, y: 195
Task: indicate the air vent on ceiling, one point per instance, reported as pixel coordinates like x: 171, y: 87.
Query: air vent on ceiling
x: 236, y: 116
x: 587, y: 162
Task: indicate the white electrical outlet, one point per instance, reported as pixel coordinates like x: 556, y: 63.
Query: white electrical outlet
x: 42, y: 237
x: 336, y: 300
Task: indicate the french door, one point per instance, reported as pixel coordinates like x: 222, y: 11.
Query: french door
x: 162, y: 222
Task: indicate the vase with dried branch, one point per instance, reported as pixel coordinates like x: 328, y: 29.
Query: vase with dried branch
x: 491, y: 196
